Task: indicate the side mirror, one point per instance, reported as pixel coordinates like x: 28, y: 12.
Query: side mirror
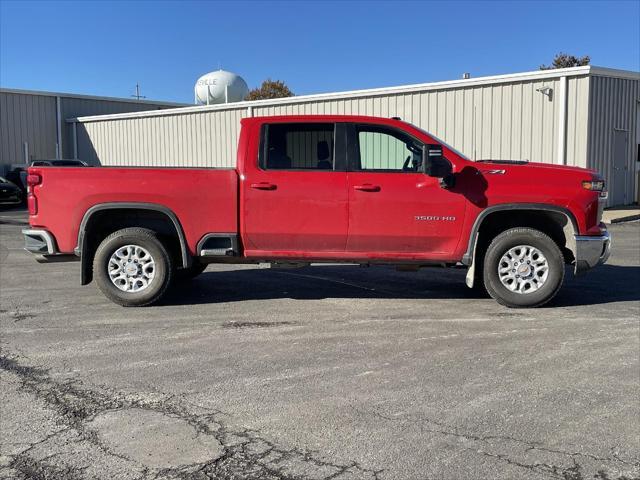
x: 434, y: 163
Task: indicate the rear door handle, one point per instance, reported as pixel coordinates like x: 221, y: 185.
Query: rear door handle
x: 264, y: 186
x: 367, y: 187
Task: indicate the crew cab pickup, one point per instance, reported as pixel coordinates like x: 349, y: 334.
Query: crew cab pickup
x: 312, y: 189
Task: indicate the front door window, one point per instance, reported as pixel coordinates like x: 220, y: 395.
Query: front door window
x: 386, y: 150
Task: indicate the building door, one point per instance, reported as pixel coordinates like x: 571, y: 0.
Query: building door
x: 620, y: 168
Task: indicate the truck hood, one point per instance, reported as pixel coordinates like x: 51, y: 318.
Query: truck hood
x: 510, y: 165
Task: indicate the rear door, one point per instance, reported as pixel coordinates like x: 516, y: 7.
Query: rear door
x: 295, y: 202
x: 394, y: 208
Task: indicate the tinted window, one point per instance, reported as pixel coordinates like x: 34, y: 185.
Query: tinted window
x: 298, y: 146
x: 67, y: 163
x: 386, y: 149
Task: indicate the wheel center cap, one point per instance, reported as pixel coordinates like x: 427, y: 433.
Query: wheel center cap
x: 131, y: 269
x: 524, y: 270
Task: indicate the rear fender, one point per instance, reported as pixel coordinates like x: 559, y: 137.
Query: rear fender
x: 86, y: 256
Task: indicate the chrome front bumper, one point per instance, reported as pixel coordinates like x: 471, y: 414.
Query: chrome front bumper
x: 591, y: 251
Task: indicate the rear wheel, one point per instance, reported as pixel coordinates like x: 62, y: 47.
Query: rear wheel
x: 132, y: 267
x: 523, y: 267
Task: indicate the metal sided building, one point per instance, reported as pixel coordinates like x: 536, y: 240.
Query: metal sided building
x: 33, y: 127
x: 583, y: 116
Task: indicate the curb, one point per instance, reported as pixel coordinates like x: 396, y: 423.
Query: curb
x: 11, y: 221
x: 628, y: 218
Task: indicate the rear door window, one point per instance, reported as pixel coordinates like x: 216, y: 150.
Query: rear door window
x: 298, y: 146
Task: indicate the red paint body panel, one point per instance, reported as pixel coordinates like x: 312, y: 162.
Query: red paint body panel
x: 204, y: 200
x: 303, y: 211
x: 318, y: 215
x: 399, y: 218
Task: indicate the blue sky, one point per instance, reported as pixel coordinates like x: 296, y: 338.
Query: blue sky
x: 104, y: 48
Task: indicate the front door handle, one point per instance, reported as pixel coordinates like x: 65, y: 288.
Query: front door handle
x: 367, y: 187
x: 264, y: 186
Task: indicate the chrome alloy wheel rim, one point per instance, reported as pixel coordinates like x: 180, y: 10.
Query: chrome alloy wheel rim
x: 131, y: 268
x: 523, y: 269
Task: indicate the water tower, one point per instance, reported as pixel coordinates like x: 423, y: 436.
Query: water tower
x: 220, y: 87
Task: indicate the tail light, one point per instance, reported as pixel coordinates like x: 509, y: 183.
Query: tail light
x: 33, y: 179
x: 32, y: 204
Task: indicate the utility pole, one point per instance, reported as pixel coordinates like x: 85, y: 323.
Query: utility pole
x: 137, y: 94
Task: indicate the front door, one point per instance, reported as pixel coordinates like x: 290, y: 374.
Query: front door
x: 394, y: 208
x: 295, y: 202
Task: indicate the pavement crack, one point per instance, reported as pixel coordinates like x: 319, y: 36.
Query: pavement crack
x: 564, y: 473
x: 41, y: 469
x: 245, y: 453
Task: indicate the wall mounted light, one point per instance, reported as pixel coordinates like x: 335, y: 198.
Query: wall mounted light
x: 548, y: 91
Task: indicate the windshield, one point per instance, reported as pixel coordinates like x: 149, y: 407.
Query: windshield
x: 440, y: 141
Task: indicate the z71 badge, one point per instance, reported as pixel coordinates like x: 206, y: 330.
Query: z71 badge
x: 434, y: 218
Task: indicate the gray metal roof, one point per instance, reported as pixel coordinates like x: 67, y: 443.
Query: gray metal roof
x: 89, y: 97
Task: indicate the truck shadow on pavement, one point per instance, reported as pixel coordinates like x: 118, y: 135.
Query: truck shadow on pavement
x: 611, y: 283
x: 605, y: 284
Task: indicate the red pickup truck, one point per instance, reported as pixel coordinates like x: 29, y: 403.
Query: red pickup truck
x: 316, y: 189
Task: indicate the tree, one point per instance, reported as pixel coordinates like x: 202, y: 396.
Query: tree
x: 563, y: 60
x: 270, y: 89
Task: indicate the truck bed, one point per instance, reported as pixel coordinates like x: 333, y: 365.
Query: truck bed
x: 204, y: 200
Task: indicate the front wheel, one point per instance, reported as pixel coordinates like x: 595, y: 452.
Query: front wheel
x: 523, y: 268
x: 132, y: 267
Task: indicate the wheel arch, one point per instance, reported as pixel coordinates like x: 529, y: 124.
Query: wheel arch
x: 85, y: 251
x: 504, y: 216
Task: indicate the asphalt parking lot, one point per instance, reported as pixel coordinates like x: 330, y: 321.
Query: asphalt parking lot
x: 332, y: 372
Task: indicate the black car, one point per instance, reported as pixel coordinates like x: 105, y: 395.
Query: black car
x: 59, y: 163
x: 10, y: 193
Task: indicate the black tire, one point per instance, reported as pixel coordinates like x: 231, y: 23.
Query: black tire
x: 163, y: 270
x: 513, y: 238
x: 193, y: 271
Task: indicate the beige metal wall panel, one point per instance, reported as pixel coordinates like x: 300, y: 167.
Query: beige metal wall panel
x: 26, y: 118
x: 202, y: 139
x: 614, y: 107
x: 78, y: 107
x: 506, y: 119
x: 577, y: 121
